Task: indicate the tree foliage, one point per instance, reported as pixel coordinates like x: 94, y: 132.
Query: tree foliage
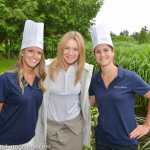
x: 12, y: 18
x: 135, y: 35
x: 125, y: 33
x: 59, y: 17
x: 143, y: 38
x: 148, y: 34
x: 145, y: 29
x: 112, y: 34
x: 123, y: 38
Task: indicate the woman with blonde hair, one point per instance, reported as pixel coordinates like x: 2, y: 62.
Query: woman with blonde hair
x: 67, y: 118
x: 21, y: 91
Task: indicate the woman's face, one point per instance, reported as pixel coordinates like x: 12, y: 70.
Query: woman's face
x: 103, y: 54
x: 71, y: 52
x: 31, y: 57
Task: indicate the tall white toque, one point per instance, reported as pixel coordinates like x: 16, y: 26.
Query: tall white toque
x: 101, y: 35
x: 32, y: 34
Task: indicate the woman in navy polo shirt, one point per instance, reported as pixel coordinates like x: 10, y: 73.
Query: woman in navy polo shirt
x: 21, y: 91
x: 114, y: 89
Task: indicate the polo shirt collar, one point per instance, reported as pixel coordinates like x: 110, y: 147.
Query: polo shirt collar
x: 121, y: 73
x: 35, y: 80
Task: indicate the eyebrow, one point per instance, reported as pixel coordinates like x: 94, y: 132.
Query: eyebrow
x: 69, y: 46
x: 37, y: 51
x: 102, y: 49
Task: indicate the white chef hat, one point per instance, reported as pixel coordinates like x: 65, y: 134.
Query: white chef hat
x: 101, y: 35
x: 33, y: 34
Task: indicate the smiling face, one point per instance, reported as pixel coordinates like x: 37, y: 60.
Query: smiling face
x: 103, y: 55
x: 71, y: 52
x: 31, y: 57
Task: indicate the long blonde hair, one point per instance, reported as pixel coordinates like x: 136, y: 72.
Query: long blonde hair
x: 57, y: 63
x: 39, y: 71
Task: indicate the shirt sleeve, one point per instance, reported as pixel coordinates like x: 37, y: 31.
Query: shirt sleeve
x: 4, y: 88
x: 91, y: 92
x: 139, y: 86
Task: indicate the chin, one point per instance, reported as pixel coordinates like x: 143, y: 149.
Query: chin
x: 103, y: 65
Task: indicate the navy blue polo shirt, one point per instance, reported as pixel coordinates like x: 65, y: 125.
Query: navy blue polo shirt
x: 116, y: 105
x: 19, y: 114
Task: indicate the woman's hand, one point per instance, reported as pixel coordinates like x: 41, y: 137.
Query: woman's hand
x: 139, y: 131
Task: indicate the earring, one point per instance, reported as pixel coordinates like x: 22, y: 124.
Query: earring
x: 22, y: 55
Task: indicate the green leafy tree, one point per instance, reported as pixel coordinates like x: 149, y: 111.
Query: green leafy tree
x: 145, y: 29
x: 143, y: 38
x: 112, y: 34
x: 125, y: 33
x: 148, y: 34
x: 121, y: 33
x: 12, y: 18
x: 135, y: 35
x: 59, y: 17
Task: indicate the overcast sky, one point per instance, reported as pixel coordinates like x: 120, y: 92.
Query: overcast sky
x: 121, y: 15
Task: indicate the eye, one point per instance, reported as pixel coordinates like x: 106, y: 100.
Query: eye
x: 75, y: 49
x: 66, y: 48
x: 30, y: 50
x: 106, y: 50
x: 40, y: 53
x: 97, y: 52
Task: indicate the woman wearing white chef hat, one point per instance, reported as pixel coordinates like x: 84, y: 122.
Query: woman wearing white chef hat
x: 21, y: 91
x: 114, y: 89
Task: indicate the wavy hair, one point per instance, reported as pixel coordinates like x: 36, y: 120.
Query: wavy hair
x: 58, y: 63
x: 39, y: 71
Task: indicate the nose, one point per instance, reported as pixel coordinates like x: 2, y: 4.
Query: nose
x: 70, y: 51
x: 35, y: 55
x: 102, y: 53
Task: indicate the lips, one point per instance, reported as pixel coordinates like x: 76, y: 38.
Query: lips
x: 102, y: 59
x: 33, y: 60
x: 70, y: 57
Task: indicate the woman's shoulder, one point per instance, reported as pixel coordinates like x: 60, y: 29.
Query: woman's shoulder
x: 125, y: 73
x: 129, y: 72
x: 94, y: 75
x: 7, y: 76
x: 3, y: 76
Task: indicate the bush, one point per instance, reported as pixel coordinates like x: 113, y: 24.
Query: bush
x: 143, y: 38
x: 123, y: 38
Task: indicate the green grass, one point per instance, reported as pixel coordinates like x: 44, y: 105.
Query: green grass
x: 6, y: 64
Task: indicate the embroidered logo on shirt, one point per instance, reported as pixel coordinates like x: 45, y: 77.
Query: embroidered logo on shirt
x: 120, y: 87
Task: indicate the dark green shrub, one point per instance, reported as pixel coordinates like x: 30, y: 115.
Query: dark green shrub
x: 143, y: 38
x: 123, y: 38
